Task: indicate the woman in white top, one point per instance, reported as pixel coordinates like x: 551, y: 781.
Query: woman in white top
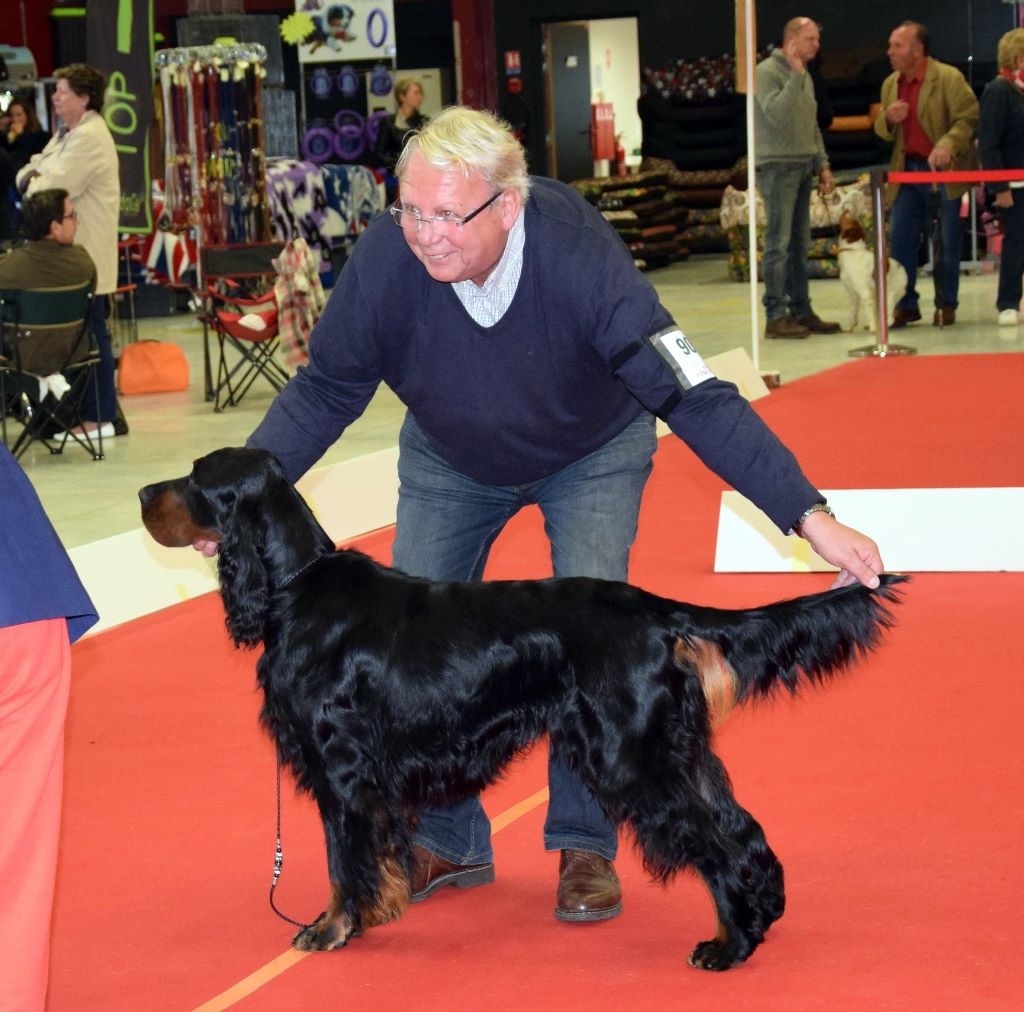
x: 81, y: 158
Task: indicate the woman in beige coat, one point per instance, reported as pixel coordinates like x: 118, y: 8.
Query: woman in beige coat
x: 81, y: 158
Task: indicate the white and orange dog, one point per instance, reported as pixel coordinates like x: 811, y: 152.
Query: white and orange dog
x: 857, y: 273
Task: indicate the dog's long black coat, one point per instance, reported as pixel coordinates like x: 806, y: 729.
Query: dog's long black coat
x: 386, y: 693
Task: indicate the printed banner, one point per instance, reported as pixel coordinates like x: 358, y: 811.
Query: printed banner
x: 119, y: 44
x: 330, y: 32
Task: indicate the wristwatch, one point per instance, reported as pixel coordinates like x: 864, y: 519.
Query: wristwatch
x: 818, y: 507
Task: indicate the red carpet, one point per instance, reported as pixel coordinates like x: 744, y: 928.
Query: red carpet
x: 893, y: 798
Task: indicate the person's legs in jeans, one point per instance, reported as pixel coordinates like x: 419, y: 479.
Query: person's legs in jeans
x: 779, y: 183
x: 590, y: 512
x: 797, y: 290
x: 106, y: 409
x: 445, y: 527
x: 952, y: 243
x: 906, y: 222
x: 1011, y: 262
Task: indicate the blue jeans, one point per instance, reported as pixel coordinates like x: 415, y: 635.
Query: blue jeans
x: 909, y: 217
x: 446, y: 525
x: 106, y: 410
x: 786, y: 190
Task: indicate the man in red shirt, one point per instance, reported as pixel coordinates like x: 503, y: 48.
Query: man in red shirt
x: 931, y: 114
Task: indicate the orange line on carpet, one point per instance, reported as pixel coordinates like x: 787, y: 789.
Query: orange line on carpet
x: 280, y: 964
x: 254, y: 981
x: 507, y: 817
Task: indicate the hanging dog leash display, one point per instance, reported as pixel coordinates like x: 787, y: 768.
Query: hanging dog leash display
x: 215, y: 163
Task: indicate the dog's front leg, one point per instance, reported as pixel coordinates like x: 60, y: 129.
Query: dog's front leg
x: 873, y: 313
x: 348, y: 838
x: 366, y: 859
x: 854, y: 309
x: 331, y: 930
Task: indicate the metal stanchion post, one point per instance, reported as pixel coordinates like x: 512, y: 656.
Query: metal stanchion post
x: 883, y: 348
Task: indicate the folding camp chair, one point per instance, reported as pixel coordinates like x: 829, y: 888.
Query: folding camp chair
x: 236, y: 304
x: 124, y: 323
x: 50, y: 365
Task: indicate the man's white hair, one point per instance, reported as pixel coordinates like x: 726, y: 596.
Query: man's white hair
x: 472, y: 142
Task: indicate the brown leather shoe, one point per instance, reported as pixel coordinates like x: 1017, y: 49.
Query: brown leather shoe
x: 785, y: 326
x: 944, y: 317
x: 816, y: 325
x: 901, y: 317
x: 588, y: 888
x: 430, y: 873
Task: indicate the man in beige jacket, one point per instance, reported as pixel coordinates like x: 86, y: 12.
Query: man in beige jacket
x: 931, y: 114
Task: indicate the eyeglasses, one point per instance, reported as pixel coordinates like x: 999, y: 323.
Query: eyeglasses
x: 411, y: 220
x: 73, y: 215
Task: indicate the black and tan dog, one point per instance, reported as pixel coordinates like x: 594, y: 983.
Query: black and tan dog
x: 386, y: 693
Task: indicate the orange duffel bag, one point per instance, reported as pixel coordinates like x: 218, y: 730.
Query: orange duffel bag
x: 152, y: 367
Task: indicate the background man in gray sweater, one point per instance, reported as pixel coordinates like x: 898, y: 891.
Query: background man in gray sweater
x: 790, y: 159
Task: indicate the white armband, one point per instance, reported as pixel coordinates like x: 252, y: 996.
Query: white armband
x: 681, y: 357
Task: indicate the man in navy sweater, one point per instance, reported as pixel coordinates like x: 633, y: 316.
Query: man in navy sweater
x: 533, y: 358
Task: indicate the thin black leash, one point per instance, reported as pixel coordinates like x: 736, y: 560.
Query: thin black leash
x: 279, y: 857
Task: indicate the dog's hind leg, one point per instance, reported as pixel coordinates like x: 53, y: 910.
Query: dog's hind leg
x: 741, y: 872
x: 705, y: 828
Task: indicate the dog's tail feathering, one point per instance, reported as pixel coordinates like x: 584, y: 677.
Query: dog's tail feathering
x: 741, y: 655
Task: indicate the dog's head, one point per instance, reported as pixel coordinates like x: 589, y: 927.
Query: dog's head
x: 851, y: 230
x: 241, y: 499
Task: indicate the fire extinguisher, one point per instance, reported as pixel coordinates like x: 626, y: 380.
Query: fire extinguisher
x: 620, y: 157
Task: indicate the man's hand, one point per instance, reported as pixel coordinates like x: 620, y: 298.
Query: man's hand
x: 1004, y: 198
x: 208, y: 548
x: 791, y: 52
x: 939, y: 158
x: 826, y: 181
x: 855, y: 554
x: 897, y: 112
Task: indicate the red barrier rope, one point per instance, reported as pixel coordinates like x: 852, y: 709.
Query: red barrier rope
x: 965, y: 176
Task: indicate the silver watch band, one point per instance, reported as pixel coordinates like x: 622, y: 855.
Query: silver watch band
x: 818, y: 507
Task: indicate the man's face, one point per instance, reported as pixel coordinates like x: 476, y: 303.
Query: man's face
x: 808, y: 41
x: 64, y: 230
x: 905, y: 50
x: 449, y: 252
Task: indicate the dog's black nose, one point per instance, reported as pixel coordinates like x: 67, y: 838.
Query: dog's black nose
x: 148, y: 493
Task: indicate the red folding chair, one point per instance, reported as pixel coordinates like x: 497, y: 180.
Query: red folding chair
x: 237, y: 305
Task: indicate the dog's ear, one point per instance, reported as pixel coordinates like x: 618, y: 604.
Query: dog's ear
x: 243, y: 573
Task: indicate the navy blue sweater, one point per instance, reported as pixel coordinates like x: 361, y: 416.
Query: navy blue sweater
x: 39, y: 581
x: 1001, y: 128
x: 570, y: 364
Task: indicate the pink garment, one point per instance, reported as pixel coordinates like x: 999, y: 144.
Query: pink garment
x: 35, y: 676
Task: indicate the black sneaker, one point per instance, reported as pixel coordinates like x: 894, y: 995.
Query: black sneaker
x: 120, y: 426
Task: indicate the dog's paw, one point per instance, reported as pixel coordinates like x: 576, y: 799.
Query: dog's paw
x: 324, y: 934
x: 715, y: 955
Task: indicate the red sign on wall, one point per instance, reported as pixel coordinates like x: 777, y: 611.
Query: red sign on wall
x: 513, y: 64
x: 602, y: 130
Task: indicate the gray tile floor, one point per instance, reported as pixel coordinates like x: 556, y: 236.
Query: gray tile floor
x: 89, y: 500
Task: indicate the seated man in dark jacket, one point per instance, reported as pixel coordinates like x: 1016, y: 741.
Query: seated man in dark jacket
x: 49, y: 259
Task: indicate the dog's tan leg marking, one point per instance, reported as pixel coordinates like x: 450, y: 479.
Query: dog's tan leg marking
x: 717, y: 679
x: 393, y: 897
x: 331, y: 930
